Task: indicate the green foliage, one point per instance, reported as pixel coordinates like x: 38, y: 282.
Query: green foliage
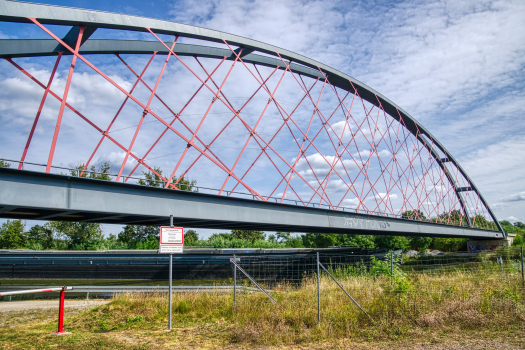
x: 518, y: 227
x: 318, y: 240
x: 393, y: 242
x: 294, y: 242
x: 12, y: 235
x: 137, y: 235
x: 40, y: 237
x: 518, y: 240
x: 4, y: 164
x: 149, y: 243
x: 249, y: 235
x: 80, y: 235
x: 135, y: 319
x: 455, y: 217
x: 414, y: 215
x: 102, y: 173
x: 153, y: 179
x: 391, y: 266
x: 283, y: 236
x: 190, y: 236
x: 450, y: 244
x: 421, y: 243
x: 322, y: 240
x: 225, y: 236
x: 183, y: 307
x: 218, y: 241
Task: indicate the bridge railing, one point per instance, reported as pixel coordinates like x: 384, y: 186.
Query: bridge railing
x: 236, y: 194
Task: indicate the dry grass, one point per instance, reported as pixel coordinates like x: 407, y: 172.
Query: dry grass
x: 417, y: 309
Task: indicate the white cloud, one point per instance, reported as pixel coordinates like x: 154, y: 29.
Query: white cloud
x: 516, y: 197
x: 321, y: 165
x: 380, y: 196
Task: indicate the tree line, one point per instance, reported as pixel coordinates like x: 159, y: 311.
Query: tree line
x: 60, y: 235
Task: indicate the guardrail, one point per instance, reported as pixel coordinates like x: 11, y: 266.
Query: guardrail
x: 112, y: 290
x: 62, y: 291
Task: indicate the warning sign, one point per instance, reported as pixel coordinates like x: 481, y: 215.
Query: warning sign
x: 171, y: 240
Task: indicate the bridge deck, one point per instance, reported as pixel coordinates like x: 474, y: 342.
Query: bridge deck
x: 41, y: 196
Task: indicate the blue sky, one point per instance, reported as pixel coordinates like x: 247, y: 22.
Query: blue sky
x: 457, y: 67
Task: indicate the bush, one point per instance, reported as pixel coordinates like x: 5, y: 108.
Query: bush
x: 518, y: 240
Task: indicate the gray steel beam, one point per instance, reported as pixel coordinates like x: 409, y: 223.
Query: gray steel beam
x: 72, y: 37
x: 29, y: 190
x: 48, y: 47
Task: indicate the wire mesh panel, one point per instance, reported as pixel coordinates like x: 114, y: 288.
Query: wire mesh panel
x: 458, y: 271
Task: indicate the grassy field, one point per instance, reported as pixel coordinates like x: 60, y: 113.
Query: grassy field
x: 458, y: 309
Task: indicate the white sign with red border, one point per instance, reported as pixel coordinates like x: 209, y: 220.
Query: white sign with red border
x: 171, y: 240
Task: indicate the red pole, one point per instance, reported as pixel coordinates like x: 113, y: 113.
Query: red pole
x: 61, y: 312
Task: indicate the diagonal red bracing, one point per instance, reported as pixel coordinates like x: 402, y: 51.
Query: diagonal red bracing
x: 118, y: 112
x: 76, y: 54
x: 48, y: 86
x: 64, y: 99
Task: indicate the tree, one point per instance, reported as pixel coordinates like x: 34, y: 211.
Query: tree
x: 507, y: 226
x: 455, y: 217
x: 519, y: 224
x: 420, y: 243
x: 12, y: 235
x: 518, y: 240
x: 190, y: 236
x: 450, y: 244
x: 153, y: 180
x: 282, y: 236
x: 318, y: 240
x: 78, y: 233
x: 393, y: 242
x: 249, y: 235
x: 40, y: 235
x: 414, y: 215
x: 135, y: 234
x: 4, y: 164
x: 103, y: 172
x: 226, y: 236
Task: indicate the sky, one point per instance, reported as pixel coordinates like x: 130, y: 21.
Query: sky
x: 457, y: 67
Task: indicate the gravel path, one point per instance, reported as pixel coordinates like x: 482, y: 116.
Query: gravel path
x: 47, y: 304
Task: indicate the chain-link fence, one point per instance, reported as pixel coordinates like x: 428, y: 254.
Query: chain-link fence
x: 426, y: 277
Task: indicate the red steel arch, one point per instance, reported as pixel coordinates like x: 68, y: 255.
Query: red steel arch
x: 273, y: 124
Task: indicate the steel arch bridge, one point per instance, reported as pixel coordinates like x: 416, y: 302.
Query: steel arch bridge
x: 238, y: 115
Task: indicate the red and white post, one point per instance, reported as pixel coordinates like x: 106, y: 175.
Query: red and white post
x: 62, y: 291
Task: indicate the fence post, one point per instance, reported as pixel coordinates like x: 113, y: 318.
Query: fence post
x: 392, y: 268
x: 319, y: 291
x: 522, y: 272
x: 171, y: 282
x: 234, y: 287
x: 61, y: 312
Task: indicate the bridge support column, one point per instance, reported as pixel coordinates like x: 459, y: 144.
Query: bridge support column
x: 474, y: 246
